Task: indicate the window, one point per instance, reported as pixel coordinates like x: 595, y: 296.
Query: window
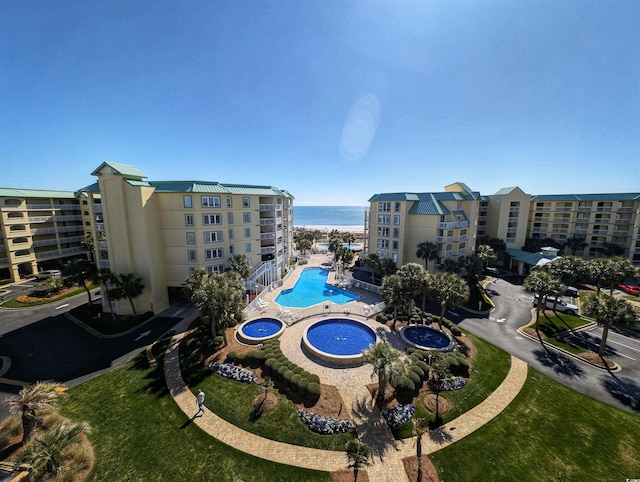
x: 231, y: 234
x: 191, y: 237
x: 84, y: 203
x: 231, y: 250
x: 216, y: 268
x: 394, y: 246
x: 396, y: 232
x: 210, y: 201
x: 382, y: 254
x: 384, y: 207
x: 187, y: 201
x: 396, y: 220
x: 191, y: 255
x: 383, y: 243
x: 229, y: 202
x: 384, y: 219
x: 246, y: 217
x: 382, y: 231
x: 86, y: 213
x: 212, y: 237
x: 192, y: 269
x: 394, y: 257
x: 247, y: 232
x: 396, y: 207
x: 14, y: 215
x: 208, y: 219
x: 245, y: 202
x: 229, y: 218
x: 188, y: 219
x: 215, y: 253
x: 247, y: 247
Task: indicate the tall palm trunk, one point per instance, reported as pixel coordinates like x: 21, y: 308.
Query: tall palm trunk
x: 419, y: 455
x: 29, y: 425
x: 603, y: 342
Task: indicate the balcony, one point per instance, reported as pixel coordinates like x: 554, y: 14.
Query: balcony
x: 448, y: 253
x: 267, y: 236
x: 463, y: 237
x: 584, y: 208
x: 560, y: 230
x: 268, y: 250
x: 450, y: 225
x: 600, y: 232
x: 541, y: 219
x: 539, y: 229
x: 580, y: 231
x: 100, y: 227
x: 563, y: 209
x: 36, y: 207
x: 625, y: 209
x: 621, y: 233
x: 97, y: 208
x: 267, y: 221
x: 59, y: 252
x: 514, y: 209
x: 511, y: 240
x: 270, y: 207
x: 512, y: 230
x: 623, y: 221
x: 604, y: 209
x: 104, y: 264
x: 562, y: 220
x: 45, y: 242
x: 543, y: 208
x: 462, y: 252
x: 513, y: 219
x: 102, y: 245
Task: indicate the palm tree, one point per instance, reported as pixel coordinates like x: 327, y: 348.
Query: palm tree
x: 415, y: 280
x: 420, y: 427
x: 394, y: 294
x: 388, y: 365
x: 358, y: 456
x: 348, y: 238
x: 303, y: 243
x: 471, y: 267
x: 597, y: 269
x: 450, y: 266
x: 568, y: 269
x: 39, y: 396
x: 616, y: 270
x: 46, y: 454
x: 427, y: 251
x: 486, y: 254
x: 440, y: 373
x: 543, y: 284
x: 345, y: 256
x: 575, y: 244
x: 240, y: 263
x: 611, y: 249
x: 128, y: 286
x: 448, y: 291
x: 218, y: 297
x: 608, y: 311
x: 89, y: 246
x: 373, y: 262
x: 80, y: 272
x: 106, y: 280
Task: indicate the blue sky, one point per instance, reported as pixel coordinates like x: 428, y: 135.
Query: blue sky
x: 333, y: 101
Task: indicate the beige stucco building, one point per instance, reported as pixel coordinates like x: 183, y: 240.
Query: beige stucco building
x: 398, y: 222
x: 159, y: 231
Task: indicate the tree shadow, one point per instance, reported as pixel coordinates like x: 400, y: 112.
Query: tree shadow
x: 561, y: 364
x: 374, y: 431
x: 440, y: 435
x: 625, y: 390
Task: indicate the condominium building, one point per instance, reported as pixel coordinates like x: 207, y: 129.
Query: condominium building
x: 38, y: 230
x: 398, y: 222
x: 453, y: 219
x: 161, y: 231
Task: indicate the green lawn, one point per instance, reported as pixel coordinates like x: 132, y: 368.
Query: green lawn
x: 549, y: 432
x: 12, y: 303
x: 139, y: 433
x: 552, y: 325
x: 233, y: 402
x: 490, y: 367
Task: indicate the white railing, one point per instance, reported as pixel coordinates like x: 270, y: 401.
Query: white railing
x: 267, y: 235
x: 267, y: 221
x: 97, y: 208
x: 102, y: 245
x: 59, y: 252
x: 464, y: 224
x: 39, y: 206
x: 511, y: 240
x: 604, y: 209
x: 450, y: 225
x: 104, y: 264
x: 268, y: 250
x: 462, y: 251
x: 100, y: 227
x: 270, y: 207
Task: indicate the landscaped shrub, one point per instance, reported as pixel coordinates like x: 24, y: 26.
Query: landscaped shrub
x: 414, y: 377
x: 218, y: 341
x: 295, y: 379
x: 233, y: 372
x: 325, y: 425
x: 286, y: 377
x: 314, y: 378
x: 455, y: 331
x: 232, y: 356
x: 381, y: 318
x: 313, y: 391
x: 281, y: 370
x: 399, y: 415
x: 405, y: 387
x: 303, y: 386
x: 418, y: 371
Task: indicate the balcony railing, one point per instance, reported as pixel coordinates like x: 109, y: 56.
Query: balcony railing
x: 560, y: 230
x: 61, y: 229
x: 104, y: 264
x: 563, y: 209
x: 462, y: 251
x: 102, y: 245
x: 584, y: 208
x: 513, y: 219
x: 623, y: 221
x: 625, y: 209
x: 100, y: 227
x: 267, y: 235
x: 267, y: 221
x: 450, y: 225
x: 463, y: 237
x: 268, y: 250
x: 448, y: 253
x: 541, y: 208
x: 604, y: 209
x: 540, y: 219
x: 512, y: 230
x: 510, y: 240
x: 59, y: 252
x: 621, y: 233
x: 270, y: 207
x: 600, y: 231
x: 50, y: 219
x: 580, y: 231
x: 97, y: 208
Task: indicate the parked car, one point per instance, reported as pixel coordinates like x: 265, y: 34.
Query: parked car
x: 560, y: 305
x: 630, y: 289
x: 571, y: 291
x: 49, y: 273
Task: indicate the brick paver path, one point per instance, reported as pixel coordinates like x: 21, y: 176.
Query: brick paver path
x: 372, y: 430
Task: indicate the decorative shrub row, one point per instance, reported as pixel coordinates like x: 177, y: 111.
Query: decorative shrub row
x: 280, y: 368
x: 233, y: 372
x: 325, y: 425
x: 399, y: 415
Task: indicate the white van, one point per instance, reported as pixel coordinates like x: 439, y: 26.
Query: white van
x: 49, y: 273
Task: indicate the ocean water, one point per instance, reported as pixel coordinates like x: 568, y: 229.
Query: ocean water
x: 328, y: 215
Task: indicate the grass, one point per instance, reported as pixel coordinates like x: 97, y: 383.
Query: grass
x: 139, y: 433
x: 233, y: 401
x: 12, y: 303
x: 549, y: 432
x: 490, y: 367
x: 551, y: 326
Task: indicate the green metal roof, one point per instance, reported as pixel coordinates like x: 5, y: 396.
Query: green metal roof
x: 428, y: 204
x: 391, y: 196
x: 217, y: 188
x: 39, y: 193
x: 630, y: 196
x: 122, y: 169
x: 505, y: 190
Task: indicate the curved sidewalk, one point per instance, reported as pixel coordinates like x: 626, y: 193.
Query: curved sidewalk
x: 387, y: 460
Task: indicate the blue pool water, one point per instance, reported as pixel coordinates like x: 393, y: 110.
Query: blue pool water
x: 426, y: 337
x: 340, y: 336
x: 261, y: 327
x: 311, y: 289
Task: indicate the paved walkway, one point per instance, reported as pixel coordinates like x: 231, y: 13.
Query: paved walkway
x: 372, y: 430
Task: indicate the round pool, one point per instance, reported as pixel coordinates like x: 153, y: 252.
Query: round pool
x: 259, y: 330
x: 426, y: 338
x: 338, y: 340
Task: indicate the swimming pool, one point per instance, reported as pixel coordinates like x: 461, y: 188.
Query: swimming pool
x: 259, y: 330
x: 338, y: 340
x: 426, y: 338
x: 311, y: 289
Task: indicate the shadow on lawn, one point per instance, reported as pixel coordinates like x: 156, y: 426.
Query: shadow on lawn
x: 561, y: 364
